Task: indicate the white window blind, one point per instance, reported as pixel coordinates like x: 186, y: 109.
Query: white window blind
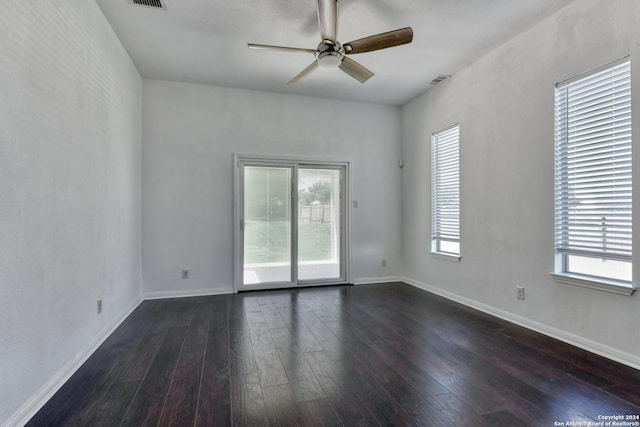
x: 593, y: 191
x: 445, y: 191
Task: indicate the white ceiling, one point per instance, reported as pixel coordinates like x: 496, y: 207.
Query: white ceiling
x: 205, y: 41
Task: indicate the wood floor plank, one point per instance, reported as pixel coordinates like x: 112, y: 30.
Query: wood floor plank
x: 329, y: 341
x: 502, y: 419
x: 281, y: 406
x: 182, y: 398
x: 328, y: 374
x: 268, y: 361
x: 146, y: 407
x: 272, y: 316
x: 299, y: 335
x: 454, y: 411
x: 352, y: 412
x: 303, y: 381
x: 383, y: 406
x: 318, y: 413
x: 248, y: 406
x: 242, y: 359
x: 214, y: 400
x: 109, y: 408
x: 418, y: 408
x: 629, y: 392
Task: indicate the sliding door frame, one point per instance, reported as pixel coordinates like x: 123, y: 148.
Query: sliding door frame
x: 239, y: 161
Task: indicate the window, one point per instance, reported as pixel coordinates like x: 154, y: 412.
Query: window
x: 593, y: 191
x: 445, y: 192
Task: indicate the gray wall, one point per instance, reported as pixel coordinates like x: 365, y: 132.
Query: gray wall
x: 190, y: 135
x: 505, y: 106
x: 70, y: 114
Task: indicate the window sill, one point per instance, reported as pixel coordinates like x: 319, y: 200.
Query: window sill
x: 600, y: 285
x: 446, y: 257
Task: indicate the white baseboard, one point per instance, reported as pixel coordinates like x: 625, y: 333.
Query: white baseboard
x: 371, y: 280
x: 46, y: 392
x: 623, y: 357
x: 187, y: 293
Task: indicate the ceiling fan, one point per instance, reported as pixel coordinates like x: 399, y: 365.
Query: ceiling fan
x: 330, y: 53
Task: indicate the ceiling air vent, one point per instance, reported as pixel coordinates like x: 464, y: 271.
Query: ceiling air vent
x: 438, y: 79
x: 155, y: 4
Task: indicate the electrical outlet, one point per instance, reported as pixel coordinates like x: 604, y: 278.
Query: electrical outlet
x: 185, y: 273
x: 520, y: 292
x: 355, y: 203
x: 99, y: 306
x: 384, y: 262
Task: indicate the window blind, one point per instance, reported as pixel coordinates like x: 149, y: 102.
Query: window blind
x: 593, y: 193
x: 445, y: 182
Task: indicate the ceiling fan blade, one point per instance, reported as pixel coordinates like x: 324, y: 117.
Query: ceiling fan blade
x: 304, y: 73
x: 281, y: 48
x: 380, y: 41
x: 328, y: 19
x: 355, y: 70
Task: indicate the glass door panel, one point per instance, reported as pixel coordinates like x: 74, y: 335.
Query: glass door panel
x: 267, y: 225
x: 319, y: 224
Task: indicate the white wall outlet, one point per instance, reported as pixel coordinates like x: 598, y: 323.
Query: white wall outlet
x: 355, y: 203
x: 99, y: 306
x: 185, y: 273
x: 384, y: 263
x: 520, y: 290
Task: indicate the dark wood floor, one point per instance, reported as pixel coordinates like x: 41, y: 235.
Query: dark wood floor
x: 386, y: 354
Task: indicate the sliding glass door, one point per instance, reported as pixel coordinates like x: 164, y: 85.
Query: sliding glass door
x: 291, y: 224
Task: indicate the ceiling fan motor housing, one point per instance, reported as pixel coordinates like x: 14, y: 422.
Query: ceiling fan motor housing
x: 330, y: 54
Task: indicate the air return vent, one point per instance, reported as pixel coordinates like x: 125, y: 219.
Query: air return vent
x: 438, y: 79
x: 155, y: 4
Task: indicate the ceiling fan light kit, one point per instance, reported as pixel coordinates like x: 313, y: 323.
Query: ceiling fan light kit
x: 331, y: 54
x: 330, y: 59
